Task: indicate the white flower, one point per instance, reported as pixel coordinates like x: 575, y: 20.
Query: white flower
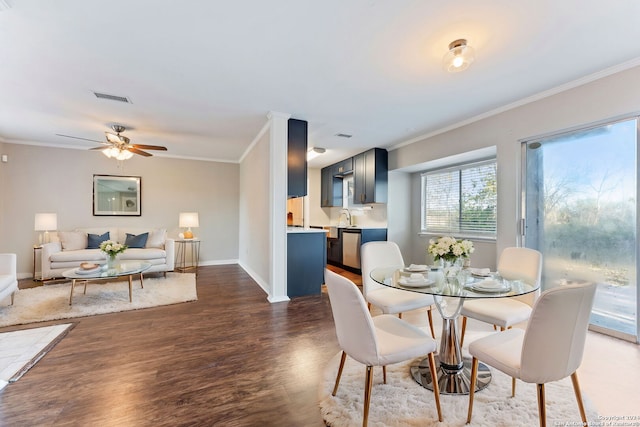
x: 112, y: 248
x: 449, y: 248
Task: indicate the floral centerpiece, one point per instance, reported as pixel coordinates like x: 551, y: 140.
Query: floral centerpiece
x: 450, y: 249
x: 111, y: 249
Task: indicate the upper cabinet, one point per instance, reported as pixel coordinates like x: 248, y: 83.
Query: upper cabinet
x: 370, y: 176
x: 297, y: 158
x: 369, y: 171
x: 344, y: 167
x: 331, y: 191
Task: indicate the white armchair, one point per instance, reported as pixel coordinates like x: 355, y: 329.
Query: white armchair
x: 8, y: 276
x: 389, y: 300
x: 550, y: 349
x: 378, y: 341
x: 515, y: 264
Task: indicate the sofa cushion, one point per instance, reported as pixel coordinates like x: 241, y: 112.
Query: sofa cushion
x: 156, y: 238
x: 6, y: 280
x: 143, y: 254
x: 72, y: 240
x: 94, y: 240
x: 79, y: 255
x: 138, y: 241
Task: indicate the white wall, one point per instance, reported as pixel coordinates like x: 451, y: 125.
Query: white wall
x: 254, y: 212
x: 608, y: 97
x: 399, y: 227
x: 44, y: 179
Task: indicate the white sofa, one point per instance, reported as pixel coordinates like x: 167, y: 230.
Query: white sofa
x: 8, y: 276
x: 69, y: 249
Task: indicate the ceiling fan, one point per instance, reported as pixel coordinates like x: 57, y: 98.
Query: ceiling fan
x: 118, y: 146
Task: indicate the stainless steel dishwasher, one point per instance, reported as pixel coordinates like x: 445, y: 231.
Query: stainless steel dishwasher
x: 351, y: 248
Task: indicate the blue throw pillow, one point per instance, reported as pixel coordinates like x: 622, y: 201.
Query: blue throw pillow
x: 94, y: 240
x: 138, y: 241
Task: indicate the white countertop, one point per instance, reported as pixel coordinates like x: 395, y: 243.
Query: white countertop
x: 305, y: 230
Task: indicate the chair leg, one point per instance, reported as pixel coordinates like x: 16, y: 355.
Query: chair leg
x: 513, y: 386
x: 384, y: 374
x: 399, y: 315
x: 462, y: 329
x: 576, y: 390
x: 13, y: 295
x: 367, y: 395
x: 472, y: 387
x: 433, y: 334
x: 342, y: 359
x: 434, y: 381
x: 542, y: 411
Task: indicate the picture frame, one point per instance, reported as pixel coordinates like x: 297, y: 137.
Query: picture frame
x: 115, y: 195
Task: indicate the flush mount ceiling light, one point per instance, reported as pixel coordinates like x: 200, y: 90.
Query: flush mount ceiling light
x: 459, y: 57
x: 314, y: 152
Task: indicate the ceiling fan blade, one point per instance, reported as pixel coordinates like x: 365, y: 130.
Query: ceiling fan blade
x: 135, y: 150
x: 77, y: 137
x: 98, y: 148
x: 149, y: 147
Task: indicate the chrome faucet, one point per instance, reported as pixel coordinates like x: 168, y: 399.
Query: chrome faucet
x: 347, y: 216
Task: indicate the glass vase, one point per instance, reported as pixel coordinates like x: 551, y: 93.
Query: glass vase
x: 111, y: 264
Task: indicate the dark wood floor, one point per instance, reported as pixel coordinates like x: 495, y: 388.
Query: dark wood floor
x: 229, y: 359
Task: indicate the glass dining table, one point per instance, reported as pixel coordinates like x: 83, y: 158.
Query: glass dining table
x: 454, y: 370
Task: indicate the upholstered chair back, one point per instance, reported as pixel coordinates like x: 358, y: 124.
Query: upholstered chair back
x: 522, y: 264
x: 354, y: 327
x: 375, y: 255
x: 555, y: 336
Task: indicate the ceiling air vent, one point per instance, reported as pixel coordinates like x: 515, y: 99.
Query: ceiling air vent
x: 344, y: 135
x: 112, y: 97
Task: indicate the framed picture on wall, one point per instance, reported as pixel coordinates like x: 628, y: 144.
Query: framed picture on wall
x: 116, y: 195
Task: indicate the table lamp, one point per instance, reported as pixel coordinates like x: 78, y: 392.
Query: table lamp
x: 45, y: 222
x: 188, y: 220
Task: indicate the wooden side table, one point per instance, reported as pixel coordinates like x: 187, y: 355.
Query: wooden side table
x: 187, y: 259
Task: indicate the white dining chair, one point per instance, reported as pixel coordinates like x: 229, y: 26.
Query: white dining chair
x: 389, y: 300
x: 374, y: 341
x: 8, y: 276
x: 550, y: 349
x: 515, y: 264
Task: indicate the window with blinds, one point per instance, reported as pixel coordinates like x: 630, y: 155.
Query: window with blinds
x: 461, y: 201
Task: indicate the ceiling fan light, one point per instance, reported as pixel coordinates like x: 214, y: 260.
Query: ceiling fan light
x: 459, y: 57
x: 124, y: 155
x: 110, y: 152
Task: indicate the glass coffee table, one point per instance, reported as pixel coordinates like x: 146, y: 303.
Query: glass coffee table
x: 122, y: 269
x: 454, y: 371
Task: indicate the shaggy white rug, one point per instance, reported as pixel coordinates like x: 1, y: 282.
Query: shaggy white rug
x: 51, y: 302
x: 402, y: 402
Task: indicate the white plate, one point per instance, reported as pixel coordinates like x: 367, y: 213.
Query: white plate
x: 480, y: 272
x: 417, y: 268
x: 416, y: 283
x: 93, y: 270
x: 491, y: 286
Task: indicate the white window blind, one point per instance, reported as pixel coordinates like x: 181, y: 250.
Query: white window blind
x: 460, y: 200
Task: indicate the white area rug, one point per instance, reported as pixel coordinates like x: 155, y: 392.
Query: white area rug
x: 51, y: 302
x: 21, y: 350
x: 402, y: 402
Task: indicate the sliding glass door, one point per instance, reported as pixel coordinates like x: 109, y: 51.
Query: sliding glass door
x: 580, y: 210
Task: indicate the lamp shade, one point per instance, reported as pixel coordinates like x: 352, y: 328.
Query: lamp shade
x: 46, y: 222
x: 459, y: 56
x: 188, y: 219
